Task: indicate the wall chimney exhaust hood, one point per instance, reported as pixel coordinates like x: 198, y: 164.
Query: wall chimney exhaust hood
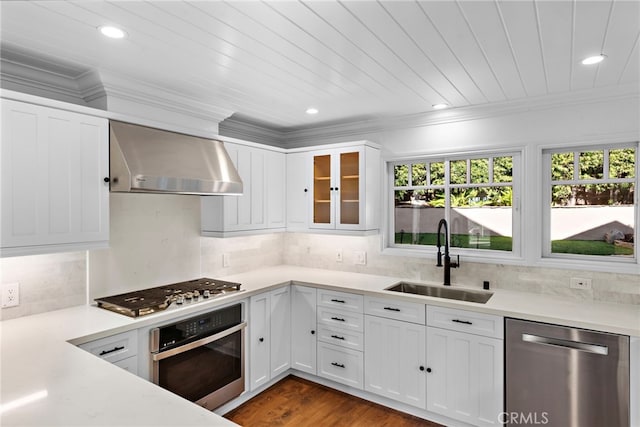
x: 147, y: 160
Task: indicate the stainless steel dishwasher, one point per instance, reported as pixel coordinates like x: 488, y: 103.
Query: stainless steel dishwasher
x: 565, y: 377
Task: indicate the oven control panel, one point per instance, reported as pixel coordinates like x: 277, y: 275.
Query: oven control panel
x: 198, y: 327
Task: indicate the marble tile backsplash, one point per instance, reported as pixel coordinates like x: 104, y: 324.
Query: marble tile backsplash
x: 47, y: 282
x: 244, y: 253
x: 319, y: 251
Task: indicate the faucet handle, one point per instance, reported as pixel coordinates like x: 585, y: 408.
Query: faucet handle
x: 457, y: 263
x: 439, y: 257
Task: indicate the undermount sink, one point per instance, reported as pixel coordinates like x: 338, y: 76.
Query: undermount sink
x: 441, y: 292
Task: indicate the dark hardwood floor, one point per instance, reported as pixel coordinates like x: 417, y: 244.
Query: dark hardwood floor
x: 297, y: 402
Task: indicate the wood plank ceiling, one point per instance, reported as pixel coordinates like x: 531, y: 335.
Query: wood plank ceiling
x: 269, y: 61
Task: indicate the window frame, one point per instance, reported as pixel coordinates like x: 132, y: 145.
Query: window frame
x: 515, y: 256
x: 545, y: 205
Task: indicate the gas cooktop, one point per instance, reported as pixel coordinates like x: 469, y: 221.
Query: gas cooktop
x: 148, y: 301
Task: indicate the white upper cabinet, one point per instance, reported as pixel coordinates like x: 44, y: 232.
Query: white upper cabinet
x: 334, y: 188
x: 55, y: 191
x: 262, y: 204
x: 298, y: 195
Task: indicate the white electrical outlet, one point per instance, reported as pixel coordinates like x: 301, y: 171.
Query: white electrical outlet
x: 10, y: 294
x: 225, y: 260
x: 360, y: 258
x: 579, y: 283
x: 339, y: 255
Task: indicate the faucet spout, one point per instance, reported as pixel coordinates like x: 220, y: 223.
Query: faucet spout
x: 448, y: 265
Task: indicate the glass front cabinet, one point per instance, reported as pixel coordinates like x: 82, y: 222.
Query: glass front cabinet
x: 345, y: 183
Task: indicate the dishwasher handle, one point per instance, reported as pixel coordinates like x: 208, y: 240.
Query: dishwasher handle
x: 573, y: 345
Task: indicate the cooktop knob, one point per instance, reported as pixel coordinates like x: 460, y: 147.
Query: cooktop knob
x: 206, y: 293
x: 180, y: 299
x: 188, y: 296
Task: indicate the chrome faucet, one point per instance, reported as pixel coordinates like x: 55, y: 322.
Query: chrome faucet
x: 448, y: 265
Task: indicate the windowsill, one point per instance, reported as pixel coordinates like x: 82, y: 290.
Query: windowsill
x: 485, y: 259
x: 561, y: 263
x: 589, y: 265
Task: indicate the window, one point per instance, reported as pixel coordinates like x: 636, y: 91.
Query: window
x: 589, y: 209
x: 475, y: 194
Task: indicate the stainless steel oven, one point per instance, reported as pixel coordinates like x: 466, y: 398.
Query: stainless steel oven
x: 201, y: 358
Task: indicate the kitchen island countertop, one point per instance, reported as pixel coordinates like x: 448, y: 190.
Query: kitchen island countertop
x: 71, y: 387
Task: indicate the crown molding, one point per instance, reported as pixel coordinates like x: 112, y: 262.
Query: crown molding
x: 249, y: 131
x: 123, y: 96
x: 365, y: 128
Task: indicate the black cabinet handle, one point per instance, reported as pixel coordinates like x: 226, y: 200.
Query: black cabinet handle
x: 313, y: 332
x: 102, y: 353
x: 261, y: 339
x: 428, y: 369
x: 466, y: 322
x: 392, y: 309
x: 336, y: 188
x: 106, y: 179
x: 330, y: 188
x: 305, y: 190
x: 337, y: 337
x: 341, y: 301
x: 338, y: 319
x: 339, y: 365
x: 422, y: 368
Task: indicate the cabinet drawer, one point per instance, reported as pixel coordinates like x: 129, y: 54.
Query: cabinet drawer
x: 394, y: 309
x: 341, y: 319
x: 340, y: 364
x: 342, y: 337
x: 342, y: 300
x: 114, y: 348
x: 488, y: 325
x: 129, y: 364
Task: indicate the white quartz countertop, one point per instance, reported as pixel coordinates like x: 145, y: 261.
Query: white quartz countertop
x: 71, y: 387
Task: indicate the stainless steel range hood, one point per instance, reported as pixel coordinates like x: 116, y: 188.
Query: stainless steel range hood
x: 147, y: 160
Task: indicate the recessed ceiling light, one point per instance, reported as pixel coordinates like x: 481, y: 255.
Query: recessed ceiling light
x: 439, y: 106
x: 312, y: 111
x: 112, y: 32
x: 593, y: 59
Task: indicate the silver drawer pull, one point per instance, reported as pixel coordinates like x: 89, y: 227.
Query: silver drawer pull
x: 339, y: 365
x: 557, y: 342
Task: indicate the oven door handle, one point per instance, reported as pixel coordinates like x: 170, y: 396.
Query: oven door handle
x: 204, y: 341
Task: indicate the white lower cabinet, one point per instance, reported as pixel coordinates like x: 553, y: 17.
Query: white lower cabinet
x: 340, y: 364
x: 394, y: 358
x: 303, y: 329
x: 269, y: 335
x: 465, y: 374
x: 120, y: 349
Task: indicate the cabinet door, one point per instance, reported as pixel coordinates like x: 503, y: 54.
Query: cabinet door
x: 323, y: 192
x: 275, y: 176
x: 246, y: 212
x: 259, y: 340
x: 394, y: 358
x: 303, y: 328
x: 298, y: 191
x: 466, y: 378
x: 280, y: 324
x: 349, y: 189
x: 53, y: 168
